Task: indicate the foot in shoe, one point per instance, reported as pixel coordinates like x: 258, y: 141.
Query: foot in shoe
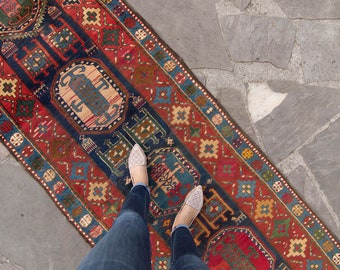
x: 186, y: 216
x: 137, y: 166
x: 190, y: 209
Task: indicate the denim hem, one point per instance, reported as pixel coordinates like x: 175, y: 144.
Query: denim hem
x: 141, y: 184
x: 179, y: 226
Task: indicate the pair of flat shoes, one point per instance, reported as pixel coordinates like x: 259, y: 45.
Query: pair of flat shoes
x: 193, y: 202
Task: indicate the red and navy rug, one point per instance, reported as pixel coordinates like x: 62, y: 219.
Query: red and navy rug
x: 82, y: 81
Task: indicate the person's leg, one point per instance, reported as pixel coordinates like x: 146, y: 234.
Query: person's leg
x: 185, y: 255
x: 127, y: 244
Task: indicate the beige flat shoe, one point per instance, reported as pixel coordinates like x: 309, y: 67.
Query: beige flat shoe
x: 137, y: 166
x: 191, y: 207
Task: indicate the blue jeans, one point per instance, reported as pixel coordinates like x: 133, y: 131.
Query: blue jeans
x: 127, y: 246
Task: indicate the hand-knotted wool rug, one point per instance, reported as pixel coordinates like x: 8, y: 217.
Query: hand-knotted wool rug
x: 82, y: 81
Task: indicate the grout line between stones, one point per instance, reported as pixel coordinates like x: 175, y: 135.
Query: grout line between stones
x: 320, y: 130
x: 294, y: 160
x: 5, y: 261
x: 285, y: 163
x: 316, y: 184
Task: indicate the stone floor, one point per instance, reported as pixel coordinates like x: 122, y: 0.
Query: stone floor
x: 273, y: 64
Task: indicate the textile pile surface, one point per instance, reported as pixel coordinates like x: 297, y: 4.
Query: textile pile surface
x: 81, y: 83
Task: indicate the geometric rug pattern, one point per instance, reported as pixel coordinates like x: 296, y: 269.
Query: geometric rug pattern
x: 82, y: 81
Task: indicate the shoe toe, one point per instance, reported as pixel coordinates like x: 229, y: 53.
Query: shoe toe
x: 195, y: 198
x: 137, y: 156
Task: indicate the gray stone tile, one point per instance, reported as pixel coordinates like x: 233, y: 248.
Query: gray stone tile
x: 234, y: 102
x: 297, y: 118
x: 262, y: 72
x: 3, y: 152
x: 311, y: 9
x: 33, y: 232
x: 7, y: 267
x: 268, y: 8
x: 320, y: 49
x: 259, y: 39
x: 241, y: 4
x: 304, y: 186
x: 322, y: 156
x: 190, y: 28
x: 225, y: 7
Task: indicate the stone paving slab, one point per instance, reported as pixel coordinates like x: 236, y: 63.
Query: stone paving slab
x: 311, y: 9
x: 259, y: 39
x: 262, y: 72
x: 320, y: 49
x: 299, y: 116
x: 267, y: 8
x: 241, y: 4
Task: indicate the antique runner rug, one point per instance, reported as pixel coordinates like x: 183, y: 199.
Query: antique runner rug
x: 82, y: 81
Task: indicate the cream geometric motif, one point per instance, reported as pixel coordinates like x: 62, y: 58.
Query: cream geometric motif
x: 16, y: 139
x: 209, y: 149
x: 336, y: 258
x: 264, y: 209
x: 140, y: 34
x: 49, y: 175
x: 180, y: 115
x: 85, y: 221
x: 297, y: 248
x: 277, y: 186
x: 97, y: 191
x: 8, y: 87
x: 91, y: 16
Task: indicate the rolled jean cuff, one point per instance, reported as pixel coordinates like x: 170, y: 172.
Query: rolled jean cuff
x: 179, y: 226
x: 141, y: 184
